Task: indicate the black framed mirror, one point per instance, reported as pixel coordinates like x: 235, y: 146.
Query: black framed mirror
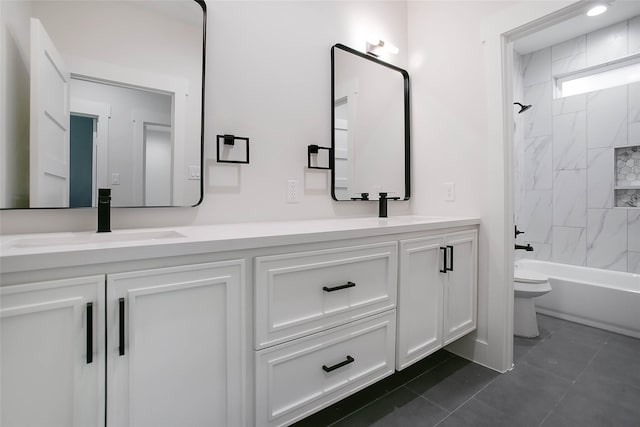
x: 101, y: 94
x: 370, y: 127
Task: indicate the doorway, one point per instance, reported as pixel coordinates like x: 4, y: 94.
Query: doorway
x: 82, y: 132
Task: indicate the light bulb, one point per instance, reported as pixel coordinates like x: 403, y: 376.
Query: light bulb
x: 597, y: 10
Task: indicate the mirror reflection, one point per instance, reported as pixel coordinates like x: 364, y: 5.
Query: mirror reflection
x: 370, y: 117
x: 101, y: 94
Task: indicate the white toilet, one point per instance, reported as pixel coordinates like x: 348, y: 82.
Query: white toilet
x: 527, y: 285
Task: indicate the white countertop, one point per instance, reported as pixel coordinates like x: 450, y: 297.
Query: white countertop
x: 27, y: 252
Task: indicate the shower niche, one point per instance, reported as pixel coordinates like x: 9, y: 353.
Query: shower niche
x: 627, y: 170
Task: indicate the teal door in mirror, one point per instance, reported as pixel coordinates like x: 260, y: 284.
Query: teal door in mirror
x: 370, y: 127
x: 101, y: 94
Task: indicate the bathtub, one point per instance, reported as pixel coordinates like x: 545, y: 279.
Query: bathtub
x: 605, y: 299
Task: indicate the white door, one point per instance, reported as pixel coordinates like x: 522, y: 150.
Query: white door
x: 49, y: 123
x: 158, y: 165
x: 175, y: 346
x: 419, y: 299
x: 52, y: 353
x: 460, y: 295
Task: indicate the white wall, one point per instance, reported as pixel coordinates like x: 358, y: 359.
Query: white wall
x: 14, y: 100
x: 268, y: 78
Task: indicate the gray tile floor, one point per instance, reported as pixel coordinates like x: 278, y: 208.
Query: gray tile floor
x: 571, y: 375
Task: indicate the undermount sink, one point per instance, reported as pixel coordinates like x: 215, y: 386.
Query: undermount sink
x: 92, y: 238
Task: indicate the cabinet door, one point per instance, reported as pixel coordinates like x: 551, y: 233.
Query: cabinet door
x: 52, y: 353
x: 419, y: 299
x: 176, y: 346
x: 460, y: 291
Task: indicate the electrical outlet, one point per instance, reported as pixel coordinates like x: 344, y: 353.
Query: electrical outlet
x: 449, y: 191
x: 292, y: 191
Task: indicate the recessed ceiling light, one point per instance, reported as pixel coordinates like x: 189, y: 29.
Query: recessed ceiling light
x: 596, y: 10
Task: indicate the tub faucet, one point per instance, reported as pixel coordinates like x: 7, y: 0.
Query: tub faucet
x: 104, y: 210
x: 527, y: 248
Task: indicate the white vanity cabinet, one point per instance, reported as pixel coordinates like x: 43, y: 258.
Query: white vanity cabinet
x: 175, y: 346
x: 248, y: 325
x: 437, y: 293
x: 175, y: 349
x: 52, y: 353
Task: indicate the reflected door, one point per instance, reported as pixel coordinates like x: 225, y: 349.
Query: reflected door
x: 49, y: 128
x: 157, y: 165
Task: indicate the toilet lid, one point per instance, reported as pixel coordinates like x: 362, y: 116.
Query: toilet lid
x: 528, y: 276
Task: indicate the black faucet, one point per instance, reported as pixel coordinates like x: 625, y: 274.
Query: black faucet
x: 527, y: 248
x: 382, y: 206
x: 104, y: 210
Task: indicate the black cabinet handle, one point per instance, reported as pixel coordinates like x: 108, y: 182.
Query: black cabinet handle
x: 338, y: 365
x: 121, y: 326
x: 337, y: 288
x: 450, y: 268
x: 89, y: 332
x: 444, y: 262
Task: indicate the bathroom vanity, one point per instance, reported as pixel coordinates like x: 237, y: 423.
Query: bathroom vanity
x: 234, y: 324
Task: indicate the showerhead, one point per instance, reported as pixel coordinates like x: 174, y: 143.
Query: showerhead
x: 523, y: 108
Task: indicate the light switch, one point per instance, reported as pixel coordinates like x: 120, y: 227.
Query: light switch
x: 194, y: 172
x: 115, y: 179
x: 449, y: 191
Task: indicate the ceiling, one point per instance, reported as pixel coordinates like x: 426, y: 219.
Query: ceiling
x: 619, y: 11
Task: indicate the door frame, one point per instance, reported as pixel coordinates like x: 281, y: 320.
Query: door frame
x: 101, y: 113
x: 499, y: 33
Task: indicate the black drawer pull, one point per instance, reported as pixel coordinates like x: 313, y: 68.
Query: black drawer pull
x: 339, y: 365
x: 450, y: 268
x: 121, y: 326
x: 337, y: 288
x: 89, y: 332
x: 444, y: 264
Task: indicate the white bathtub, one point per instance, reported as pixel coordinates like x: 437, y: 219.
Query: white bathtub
x: 605, y: 299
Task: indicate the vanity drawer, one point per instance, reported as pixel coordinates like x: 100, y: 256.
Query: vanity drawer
x: 302, y: 293
x: 296, y: 379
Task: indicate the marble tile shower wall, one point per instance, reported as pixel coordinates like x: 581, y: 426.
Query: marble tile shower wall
x: 566, y: 174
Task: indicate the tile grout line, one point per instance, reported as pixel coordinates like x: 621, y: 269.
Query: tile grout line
x: 431, y: 401
x: 494, y: 379
x: 573, y: 382
x: 389, y: 392
x: 470, y: 398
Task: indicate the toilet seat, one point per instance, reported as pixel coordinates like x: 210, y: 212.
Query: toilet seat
x: 529, y: 284
x: 528, y: 276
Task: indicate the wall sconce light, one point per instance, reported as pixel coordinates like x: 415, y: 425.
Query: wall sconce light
x: 378, y: 47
